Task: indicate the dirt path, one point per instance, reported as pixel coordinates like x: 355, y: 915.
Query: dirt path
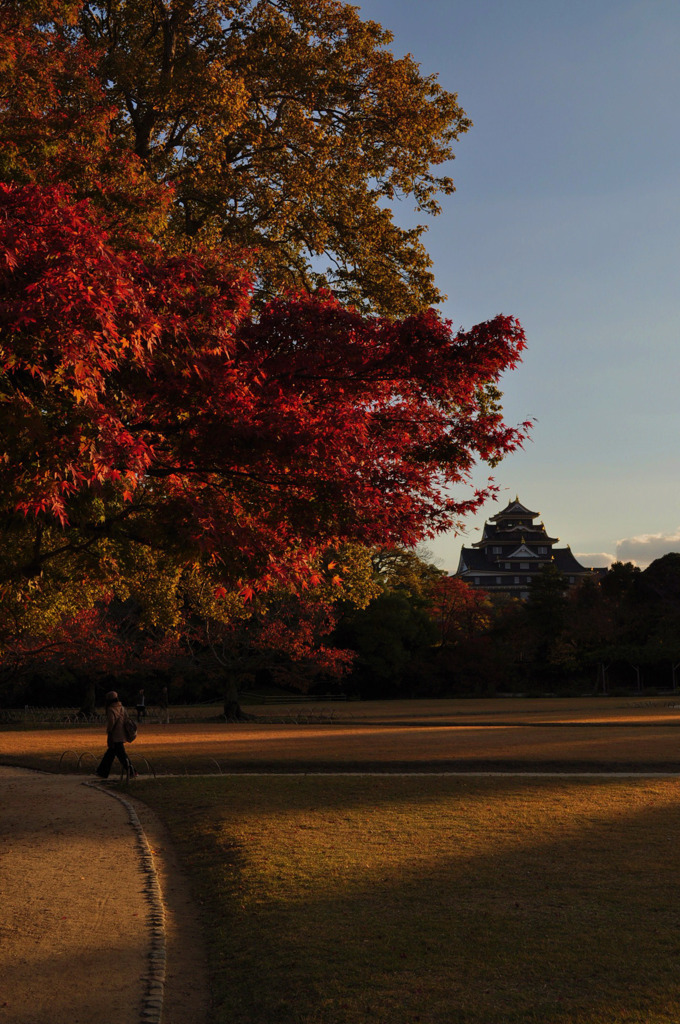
x: 76, y: 910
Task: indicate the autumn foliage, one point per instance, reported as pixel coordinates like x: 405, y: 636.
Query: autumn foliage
x: 147, y: 377
x: 147, y: 403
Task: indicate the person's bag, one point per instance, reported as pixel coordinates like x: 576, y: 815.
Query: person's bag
x: 130, y: 729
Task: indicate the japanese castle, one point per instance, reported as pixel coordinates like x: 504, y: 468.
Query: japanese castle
x: 513, y: 549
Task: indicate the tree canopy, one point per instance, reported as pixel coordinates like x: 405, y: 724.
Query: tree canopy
x: 145, y: 380
x: 169, y: 410
x: 285, y: 127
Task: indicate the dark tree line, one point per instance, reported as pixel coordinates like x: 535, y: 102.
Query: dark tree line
x: 417, y: 633
x: 615, y: 632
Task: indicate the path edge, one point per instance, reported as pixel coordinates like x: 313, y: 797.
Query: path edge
x: 152, y: 1003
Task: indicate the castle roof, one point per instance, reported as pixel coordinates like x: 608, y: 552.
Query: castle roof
x: 513, y: 534
x: 514, y: 508
x: 566, y: 562
x: 563, y: 559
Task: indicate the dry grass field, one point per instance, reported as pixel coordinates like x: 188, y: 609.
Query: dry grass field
x: 523, y: 734
x: 434, y: 899
x: 332, y: 898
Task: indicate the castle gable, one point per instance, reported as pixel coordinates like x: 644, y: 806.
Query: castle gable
x: 523, y: 552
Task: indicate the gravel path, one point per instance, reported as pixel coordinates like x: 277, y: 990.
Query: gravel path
x: 90, y: 891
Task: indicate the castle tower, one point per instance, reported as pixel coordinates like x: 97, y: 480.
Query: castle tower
x: 513, y: 549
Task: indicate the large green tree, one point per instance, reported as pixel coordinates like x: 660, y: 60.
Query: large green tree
x: 283, y: 126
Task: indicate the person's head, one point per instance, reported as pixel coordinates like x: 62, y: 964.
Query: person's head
x: 111, y: 698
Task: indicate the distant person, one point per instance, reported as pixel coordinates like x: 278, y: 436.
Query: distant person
x: 115, y: 737
x: 164, y: 705
x: 141, y: 705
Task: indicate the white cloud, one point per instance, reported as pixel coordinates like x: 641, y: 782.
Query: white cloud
x: 595, y: 559
x: 646, y: 547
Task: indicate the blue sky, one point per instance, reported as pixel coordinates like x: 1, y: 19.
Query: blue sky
x: 567, y: 216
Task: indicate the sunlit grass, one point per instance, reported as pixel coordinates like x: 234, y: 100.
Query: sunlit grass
x: 342, y: 900
x: 571, y: 734
x: 466, y: 901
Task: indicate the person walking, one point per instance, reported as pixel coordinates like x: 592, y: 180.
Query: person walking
x: 115, y: 737
x: 141, y: 705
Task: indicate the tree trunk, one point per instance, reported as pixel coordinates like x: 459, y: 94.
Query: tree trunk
x: 233, y: 712
x: 88, y: 705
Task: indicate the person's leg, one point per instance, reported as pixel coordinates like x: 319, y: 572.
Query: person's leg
x: 121, y: 754
x: 104, y: 766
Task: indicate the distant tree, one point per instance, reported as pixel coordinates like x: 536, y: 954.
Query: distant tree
x: 388, y: 637
x: 660, y: 581
x: 90, y: 646
x: 466, y: 657
x: 460, y: 611
x: 621, y: 579
x: 613, y: 623
x: 586, y: 641
x: 664, y: 644
x: 285, y: 632
x: 405, y: 571
x: 392, y: 630
x: 286, y: 636
x: 545, y: 612
x: 658, y: 592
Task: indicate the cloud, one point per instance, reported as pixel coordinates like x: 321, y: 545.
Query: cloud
x: 596, y: 559
x: 646, y: 547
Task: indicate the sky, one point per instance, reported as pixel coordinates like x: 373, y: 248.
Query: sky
x: 567, y: 216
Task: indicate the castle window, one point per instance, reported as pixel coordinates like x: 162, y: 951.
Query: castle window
x: 543, y: 551
x: 524, y: 565
x: 477, y: 580
x: 499, y: 580
x: 507, y: 565
x: 516, y: 579
x: 497, y: 551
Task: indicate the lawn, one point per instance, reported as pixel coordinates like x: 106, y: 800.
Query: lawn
x: 339, y: 900
x: 423, y: 899
x: 559, y: 734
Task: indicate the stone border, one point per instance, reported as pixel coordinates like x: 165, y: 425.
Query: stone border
x: 152, y: 1003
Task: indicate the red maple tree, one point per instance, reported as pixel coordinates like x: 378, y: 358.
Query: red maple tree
x: 146, y: 380
x: 460, y: 612
x: 144, y: 400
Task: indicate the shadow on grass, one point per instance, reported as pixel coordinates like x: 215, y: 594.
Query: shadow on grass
x: 442, y: 901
